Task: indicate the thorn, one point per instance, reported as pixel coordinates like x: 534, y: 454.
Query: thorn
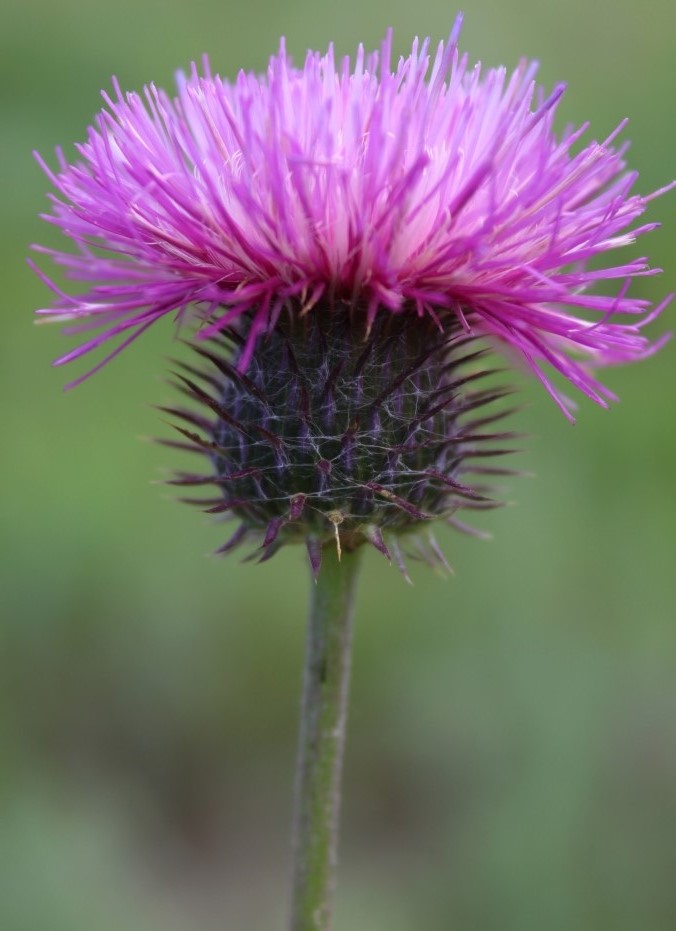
x: 225, y: 368
x: 407, y: 373
x: 401, y: 503
x: 186, y: 479
x: 201, y: 502
x: 489, y: 437
x: 314, y: 551
x: 215, y: 406
x: 270, y: 552
x: 375, y: 537
x: 468, y: 529
x: 198, y: 373
x: 470, y: 357
x: 430, y: 556
x: 296, y: 507
x: 476, y: 399
x: 494, y: 470
x: 476, y: 376
x: 484, y: 453
x: 174, y: 444
x: 489, y: 505
x: 331, y: 380
x: 479, y: 422
x: 273, y: 528
x: 191, y: 417
x: 225, y: 506
x: 439, y: 553
x: 276, y: 441
x: 234, y: 541
x: 430, y: 412
x: 361, y: 361
x: 196, y: 439
x: 463, y: 491
x: 336, y: 518
x: 399, y: 560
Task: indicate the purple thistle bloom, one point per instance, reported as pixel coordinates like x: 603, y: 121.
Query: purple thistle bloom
x: 428, y: 189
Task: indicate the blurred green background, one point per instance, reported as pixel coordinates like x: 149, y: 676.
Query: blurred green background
x: 512, y: 751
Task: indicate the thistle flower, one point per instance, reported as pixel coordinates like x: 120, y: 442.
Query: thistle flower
x: 344, y: 233
x: 354, y: 241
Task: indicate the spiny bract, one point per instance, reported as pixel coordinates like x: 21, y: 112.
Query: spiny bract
x: 333, y: 436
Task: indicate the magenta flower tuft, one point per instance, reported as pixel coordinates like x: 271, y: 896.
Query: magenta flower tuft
x: 427, y: 188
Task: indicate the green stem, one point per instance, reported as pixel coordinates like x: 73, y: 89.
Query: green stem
x: 322, y: 738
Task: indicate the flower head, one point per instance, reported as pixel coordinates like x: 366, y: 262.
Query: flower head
x: 426, y: 188
x: 345, y: 233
